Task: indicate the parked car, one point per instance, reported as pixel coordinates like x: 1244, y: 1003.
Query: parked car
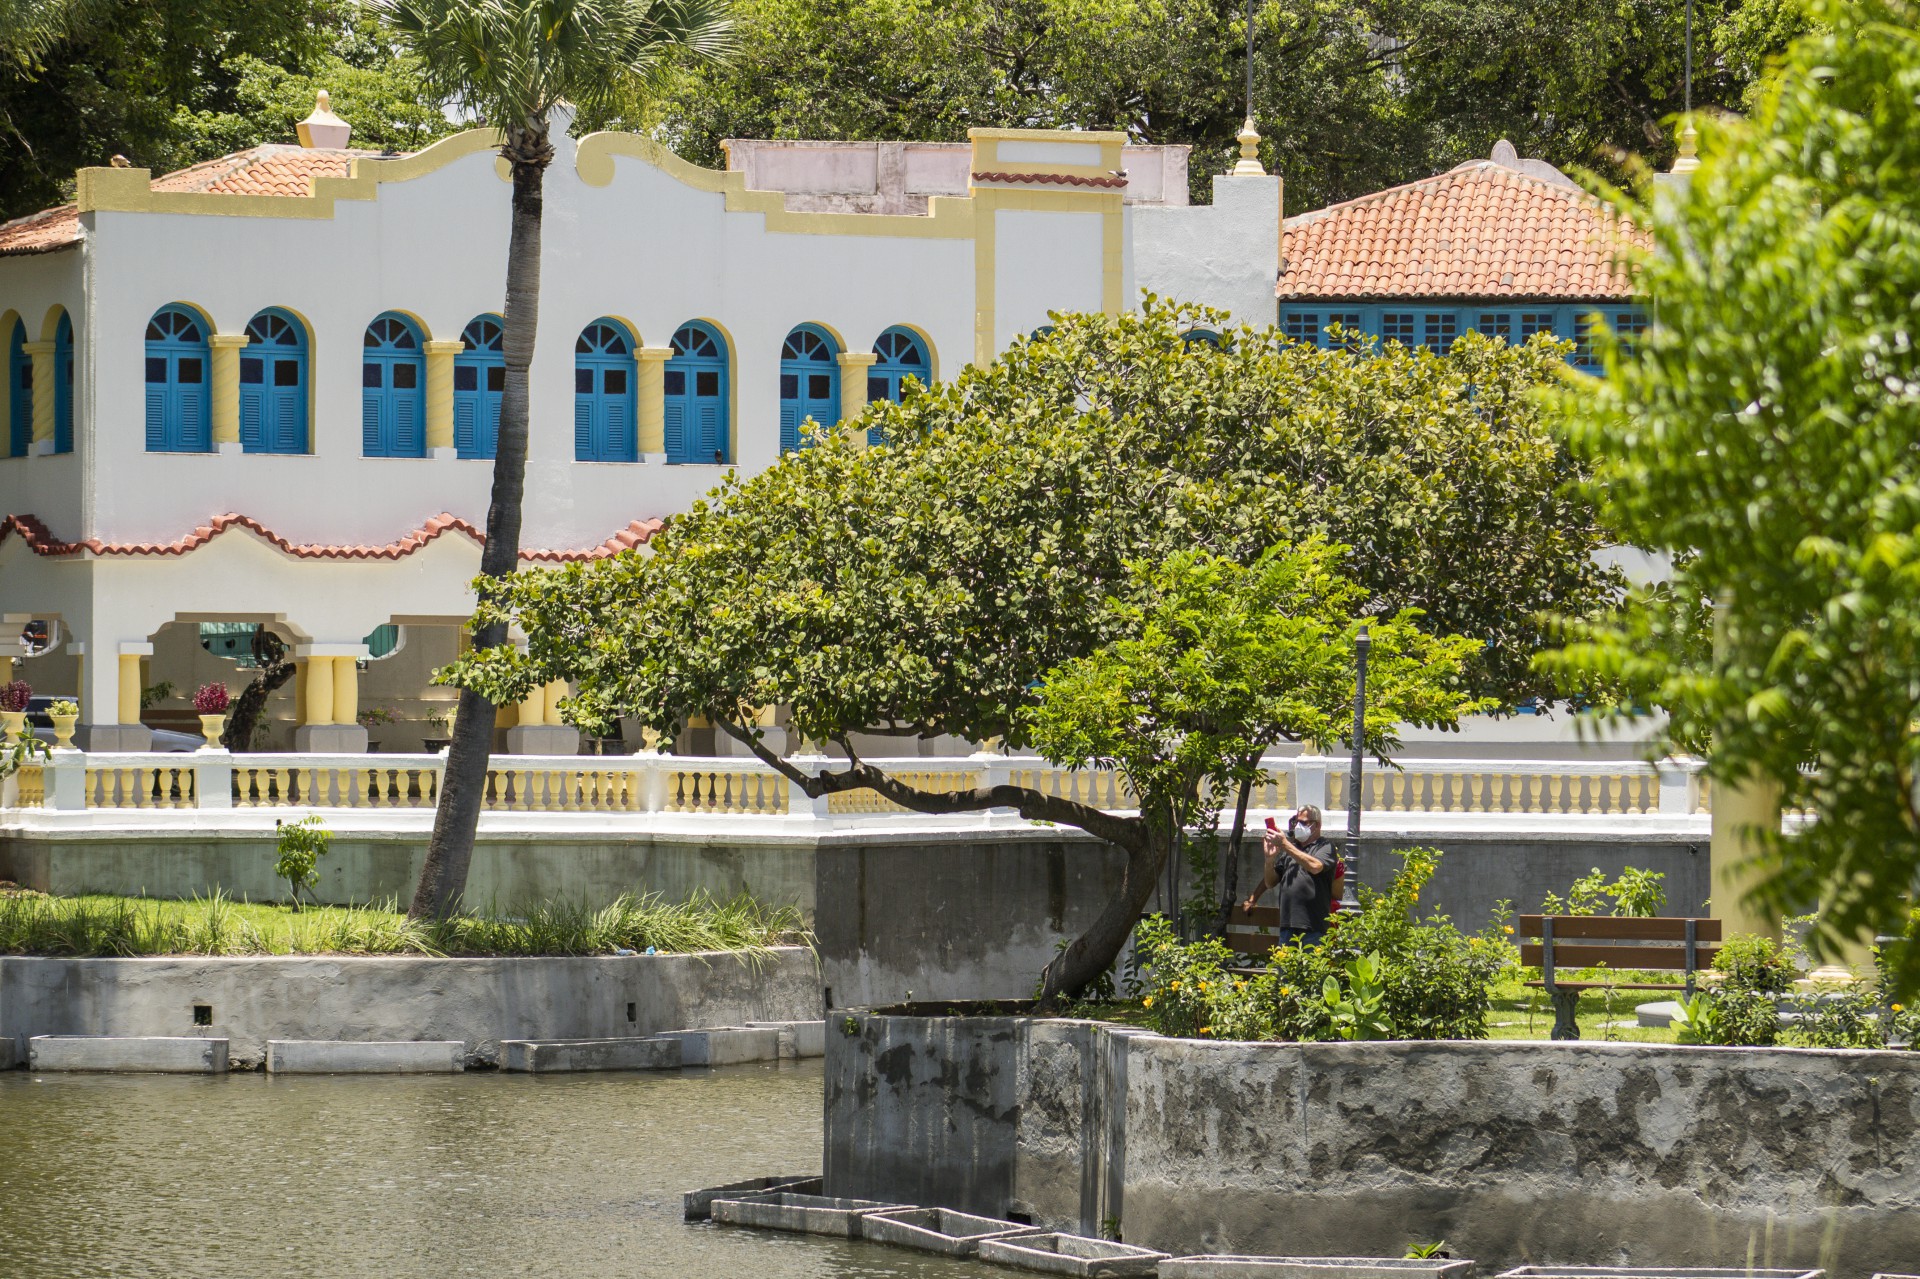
x: 164, y: 739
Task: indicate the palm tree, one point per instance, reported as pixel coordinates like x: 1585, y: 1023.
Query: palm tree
x: 512, y: 62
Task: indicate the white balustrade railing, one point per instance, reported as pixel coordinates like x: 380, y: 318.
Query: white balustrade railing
x: 743, y: 786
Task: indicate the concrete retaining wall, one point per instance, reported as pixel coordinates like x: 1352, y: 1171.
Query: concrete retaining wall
x: 1595, y: 1154
x: 476, y: 1001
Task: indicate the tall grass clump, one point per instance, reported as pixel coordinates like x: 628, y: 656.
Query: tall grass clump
x: 107, y: 927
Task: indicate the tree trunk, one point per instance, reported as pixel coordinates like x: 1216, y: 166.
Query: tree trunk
x: 443, y: 879
x: 1232, y: 892
x: 1093, y: 951
x: 270, y: 653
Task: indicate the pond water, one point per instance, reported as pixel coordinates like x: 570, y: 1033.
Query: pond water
x: 357, y: 1177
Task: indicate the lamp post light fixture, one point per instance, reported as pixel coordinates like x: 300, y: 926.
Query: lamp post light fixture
x: 1349, y: 898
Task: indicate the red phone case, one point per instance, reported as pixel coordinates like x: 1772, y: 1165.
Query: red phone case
x: 1272, y: 825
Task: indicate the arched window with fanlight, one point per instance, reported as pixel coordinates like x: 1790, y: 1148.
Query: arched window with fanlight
x: 902, y: 354
x: 696, y: 396
x: 63, y: 385
x: 393, y: 405
x: 273, y: 384
x: 179, y: 413
x: 19, y: 392
x: 479, y: 381
x: 603, y: 394
x: 809, y: 382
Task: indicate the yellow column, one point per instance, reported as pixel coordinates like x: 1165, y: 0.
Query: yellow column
x: 319, y: 695
x: 1740, y: 814
x: 853, y: 386
x: 346, y: 690
x: 551, y: 700
x: 440, y: 392
x: 6, y: 670
x: 652, y: 386
x: 44, y: 388
x: 224, y: 349
x: 533, y: 711
x: 129, y: 689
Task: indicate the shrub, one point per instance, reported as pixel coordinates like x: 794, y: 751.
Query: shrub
x: 1637, y: 893
x: 211, y: 699
x: 1381, y: 973
x: 1750, y: 962
x: 300, y: 846
x: 65, y: 706
x: 1844, y: 1018
x: 16, y: 695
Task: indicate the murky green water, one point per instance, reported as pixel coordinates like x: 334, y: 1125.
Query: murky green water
x: 393, y: 1177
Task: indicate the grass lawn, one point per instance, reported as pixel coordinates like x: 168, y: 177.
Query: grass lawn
x: 1520, y: 1012
x: 36, y: 924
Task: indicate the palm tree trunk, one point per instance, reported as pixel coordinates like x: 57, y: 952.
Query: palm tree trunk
x: 443, y: 879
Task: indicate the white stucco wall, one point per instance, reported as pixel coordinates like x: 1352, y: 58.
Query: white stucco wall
x: 1226, y: 254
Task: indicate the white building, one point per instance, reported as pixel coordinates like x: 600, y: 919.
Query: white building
x: 258, y: 390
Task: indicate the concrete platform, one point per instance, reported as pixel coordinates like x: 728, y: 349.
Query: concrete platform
x: 1224, y: 1267
x: 798, y: 1039
x: 726, y: 1045
x: 1061, y: 1254
x: 541, y: 1056
x: 802, y: 1214
x: 154, y: 1053
x: 1653, y: 1272
x: 1657, y: 1016
x: 939, y: 1230
x: 698, y: 1204
x: 347, y: 1057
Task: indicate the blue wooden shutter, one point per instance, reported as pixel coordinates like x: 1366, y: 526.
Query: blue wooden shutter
x: 466, y: 424
x: 676, y: 429
x: 252, y: 414
x: 196, y: 430
x: 585, y: 443
x: 409, y: 421
x: 156, y: 417
x: 373, y: 440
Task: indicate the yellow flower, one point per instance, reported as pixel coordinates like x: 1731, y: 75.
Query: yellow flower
x: 1203, y: 985
x: 1286, y: 990
x: 1206, y: 1030
x: 1899, y: 1008
x: 1240, y: 983
x: 1473, y: 941
x: 1175, y: 986
x: 1508, y: 930
x: 1148, y: 1001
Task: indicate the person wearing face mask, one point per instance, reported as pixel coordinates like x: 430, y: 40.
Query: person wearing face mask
x: 1300, y: 865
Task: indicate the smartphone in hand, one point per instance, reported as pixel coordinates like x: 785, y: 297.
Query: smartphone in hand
x: 1273, y: 825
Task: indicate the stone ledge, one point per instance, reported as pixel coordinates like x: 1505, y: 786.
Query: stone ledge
x: 379, y: 1057
x: 798, y: 1039
x: 727, y: 1045
x: 540, y: 1056
x: 151, y: 1053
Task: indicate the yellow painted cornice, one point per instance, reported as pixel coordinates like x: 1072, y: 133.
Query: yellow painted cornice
x: 110, y: 190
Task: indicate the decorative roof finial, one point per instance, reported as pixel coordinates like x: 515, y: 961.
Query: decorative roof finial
x: 323, y: 129
x: 1687, y: 161
x: 1249, y: 140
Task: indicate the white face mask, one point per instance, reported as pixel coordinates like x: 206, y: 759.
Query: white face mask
x: 1301, y: 832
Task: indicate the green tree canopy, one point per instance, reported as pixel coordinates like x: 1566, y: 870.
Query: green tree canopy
x: 1016, y: 559
x: 1351, y: 95
x: 1764, y: 430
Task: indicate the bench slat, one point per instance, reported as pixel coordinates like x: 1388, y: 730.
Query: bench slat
x: 1659, y: 928
x: 1264, y: 916
x: 1605, y: 985
x: 1618, y: 956
x: 1621, y: 928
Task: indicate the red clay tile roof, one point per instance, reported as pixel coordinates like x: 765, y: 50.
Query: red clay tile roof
x: 1058, y: 179
x: 275, y: 169
x: 43, y: 542
x: 44, y: 232
x: 1481, y: 230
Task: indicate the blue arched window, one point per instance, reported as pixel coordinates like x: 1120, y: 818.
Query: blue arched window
x: 1193, y: 337
x: 273, y: 384
x: 178, y: 409
x: 63, y: 386
x: 809, y: 382
x: 696, y: 392
x: 393, y: 405
x: 902, y: 355
x: 479, y: 379
x: 603, y: 395
x: 19, y: 393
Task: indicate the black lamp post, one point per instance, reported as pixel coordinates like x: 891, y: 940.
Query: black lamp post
x: 1350, y: 898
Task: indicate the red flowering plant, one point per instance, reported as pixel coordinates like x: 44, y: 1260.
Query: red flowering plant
x: 16, y: 695
x: 211, y: 699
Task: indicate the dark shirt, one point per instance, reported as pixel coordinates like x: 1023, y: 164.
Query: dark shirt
x: 1305, y: 900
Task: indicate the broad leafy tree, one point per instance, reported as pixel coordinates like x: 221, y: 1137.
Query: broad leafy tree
x: 512, y: 62
x: 1764, y: 430
x: 1034, y: 550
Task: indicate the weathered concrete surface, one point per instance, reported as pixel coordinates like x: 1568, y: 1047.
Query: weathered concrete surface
x: 698, y: 1204
x: 1062, y: 1254
x: 385, y: 1057
x: 367, y: 867
x: 477, y: 1001
x: 725, y: 1045
x: 561, y: 1055
x: 165, y: 1054
x: 798, y: 1039
x: 938, y: 1230
x: 1515, y: 1152
x: 803, y: 1214
x: 1217, y: 1267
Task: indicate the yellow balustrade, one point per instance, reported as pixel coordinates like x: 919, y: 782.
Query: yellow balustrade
x: 32, y: 789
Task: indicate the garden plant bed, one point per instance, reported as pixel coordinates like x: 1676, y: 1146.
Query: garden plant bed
x: 1228, y: 1267
x: 803, y: 1214
x: 1063, y: 1254
x: 940, y: 1230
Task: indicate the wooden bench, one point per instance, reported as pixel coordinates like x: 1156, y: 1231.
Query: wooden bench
x: 1257, y: 932
x: 1587, y: 941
